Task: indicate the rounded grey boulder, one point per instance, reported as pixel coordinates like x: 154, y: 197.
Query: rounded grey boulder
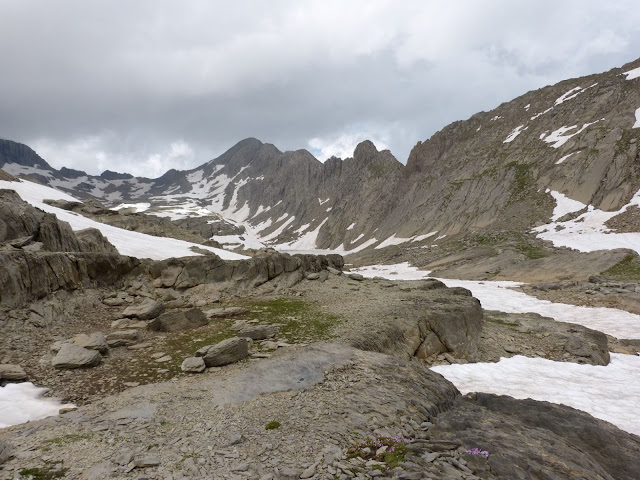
x: 73, y: 356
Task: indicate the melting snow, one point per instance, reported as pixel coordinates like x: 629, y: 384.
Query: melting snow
x: 351, y: 226
x: 393, y: 240
x: 603, y: 392
x: 608, y: 393
x: 128, y: 243
x: 564, y: 205
x: 137, y: 207
x: 514, y: 133
x: 24, y: 402
x: 323, y: 201
x: 500, y: 296
x: 588, y: 232
x: 631, y: 74
x: 497, y: 117
x: 637, y: 124
x: 419, y: 238
x: 558, y: 137
x: 566, y: 156
x: 306, y: 241
x: 527, y: 106
x: 357, y: 238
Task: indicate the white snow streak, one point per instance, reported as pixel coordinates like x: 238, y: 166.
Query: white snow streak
x: 514, y: 133
x: 566, y: 156
x: 631, y: 74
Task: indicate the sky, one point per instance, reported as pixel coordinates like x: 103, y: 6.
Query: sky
x: 141, y: 87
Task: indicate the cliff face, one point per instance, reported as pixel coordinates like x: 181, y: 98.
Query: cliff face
x: 492, y: 170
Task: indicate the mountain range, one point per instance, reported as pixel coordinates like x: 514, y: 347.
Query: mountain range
x: 493, y: 172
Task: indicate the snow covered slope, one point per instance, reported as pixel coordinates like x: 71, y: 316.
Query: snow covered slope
x: 128, y: 243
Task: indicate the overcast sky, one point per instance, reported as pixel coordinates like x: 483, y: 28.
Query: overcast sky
x: 145, y: 86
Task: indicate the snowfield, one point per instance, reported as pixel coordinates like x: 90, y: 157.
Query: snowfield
x: 129, y: 243
x: 610, y: 393
x: 588, y: 231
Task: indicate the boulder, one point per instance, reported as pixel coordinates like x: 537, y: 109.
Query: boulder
x: 228, y: 351
x: 313, y: 276
x: 334, y: 271
x: 256, y: 332
x: 177, y: 320
x: 193, y: 365
x: 95, y: 341
x: 355, y: 276
x: 12, y: 372
x: 123, y: 338
x: 145, y: 310
x: 74, y: 356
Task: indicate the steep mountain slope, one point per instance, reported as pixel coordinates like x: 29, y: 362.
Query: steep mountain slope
x: 495, y: 171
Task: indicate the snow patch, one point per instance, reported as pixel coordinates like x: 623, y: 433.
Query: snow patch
x: 127, y: 242
x: 637, y: 124
x: 137, y: 207
x: 419, y: 238
x: 527, y: 106
x: 606, y: 392
x: 566, y: 156
x: 514, y: 133
x: 24, y: 402
x: 393, y: 240
x: 558, y: 137
x: 588, y: 232
x: 631, y: 74
x: 501, y: 296
x: 564, y: 205
x: 351, y: 226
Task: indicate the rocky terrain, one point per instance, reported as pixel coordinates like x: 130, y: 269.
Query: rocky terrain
x: 289, y: 366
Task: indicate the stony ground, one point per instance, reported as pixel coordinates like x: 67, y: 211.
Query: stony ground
x: 307, y: 412
x: 311, y: 311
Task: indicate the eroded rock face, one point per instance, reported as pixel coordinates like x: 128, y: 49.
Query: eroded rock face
x: 71, y: 356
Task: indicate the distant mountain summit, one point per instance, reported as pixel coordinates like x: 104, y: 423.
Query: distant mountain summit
x: 492, y: 171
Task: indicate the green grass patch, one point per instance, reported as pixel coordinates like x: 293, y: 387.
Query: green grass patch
x: 393, y: 454
x: 41, y: 473
x: 626, y: 269
x: 532, y: 252
x: 300, y: 320
x: 274, y: 424
x: 69, y: 438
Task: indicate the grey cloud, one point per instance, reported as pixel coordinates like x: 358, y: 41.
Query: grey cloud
x: 121, y: 82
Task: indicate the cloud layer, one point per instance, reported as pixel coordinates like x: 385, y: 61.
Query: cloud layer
x: 150, y: 85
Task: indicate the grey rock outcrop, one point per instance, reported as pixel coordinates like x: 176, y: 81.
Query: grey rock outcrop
x: 72, y: 356
x: 147, y: 309
x: 538, y: 434
x: 177, y: 320
x: 228, y: 351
